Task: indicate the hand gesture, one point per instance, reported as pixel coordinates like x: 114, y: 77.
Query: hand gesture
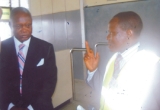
x: 90, y: 60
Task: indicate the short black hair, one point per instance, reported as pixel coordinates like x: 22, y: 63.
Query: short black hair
x: 17, y: 10
x: 130, y: 20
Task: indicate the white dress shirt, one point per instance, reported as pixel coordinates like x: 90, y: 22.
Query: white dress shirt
x: 126, y: 55
x: 25, y: 50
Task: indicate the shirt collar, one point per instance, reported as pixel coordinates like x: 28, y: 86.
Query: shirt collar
x: 17, y: 42
x: 129, y: 52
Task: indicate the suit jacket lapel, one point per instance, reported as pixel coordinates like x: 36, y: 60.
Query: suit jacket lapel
x: 32, y: 56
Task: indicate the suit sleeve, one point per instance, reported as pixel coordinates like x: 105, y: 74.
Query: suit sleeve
x: 50, y: 80
x: 96, y: 81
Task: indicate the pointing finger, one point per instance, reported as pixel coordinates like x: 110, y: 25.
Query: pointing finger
x: 87, y: 47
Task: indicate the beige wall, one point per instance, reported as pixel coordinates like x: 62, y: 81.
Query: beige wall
x: 41, y: 7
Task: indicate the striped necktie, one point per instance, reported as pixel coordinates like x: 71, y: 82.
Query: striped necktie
x: 110, y: 80
x: 21, y: 61
x: 117, y: 68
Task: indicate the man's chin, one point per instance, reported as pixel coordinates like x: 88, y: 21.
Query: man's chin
x: 24, y: 39
x: 112, y: 50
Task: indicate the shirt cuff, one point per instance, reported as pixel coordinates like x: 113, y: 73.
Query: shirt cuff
x: 10, y: 106
x: 90, y: 75
x: 30, y: 107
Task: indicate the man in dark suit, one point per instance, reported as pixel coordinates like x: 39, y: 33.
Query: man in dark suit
x: 28, y: 74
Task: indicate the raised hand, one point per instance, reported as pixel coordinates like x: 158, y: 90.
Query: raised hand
x: 91, y: 61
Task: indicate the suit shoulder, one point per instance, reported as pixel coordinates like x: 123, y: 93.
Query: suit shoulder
x: 41, y: 42
x: 6, y: 41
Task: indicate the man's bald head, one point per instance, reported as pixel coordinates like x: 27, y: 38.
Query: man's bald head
x: 124, y: 31
x: 21, y: 23
x: 19, y: 10
x: 130, y: 20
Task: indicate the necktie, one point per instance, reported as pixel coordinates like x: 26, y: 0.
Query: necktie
x: 21, y: 61
x: 117, y: 68
x: 110, y: 79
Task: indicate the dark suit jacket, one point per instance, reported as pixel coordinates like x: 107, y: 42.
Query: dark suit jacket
x: 38, y: 83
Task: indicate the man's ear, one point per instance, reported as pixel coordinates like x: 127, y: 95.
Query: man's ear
x: 129, y: 32
x: 10, y: 24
